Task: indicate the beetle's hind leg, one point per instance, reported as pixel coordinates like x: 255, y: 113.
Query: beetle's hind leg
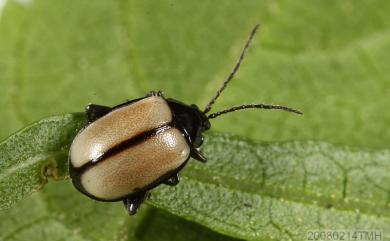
x: 133, y: 203
x: 94, y: 112
x: 197, y: 155
x: 173, y: 180
x: 155, y: 93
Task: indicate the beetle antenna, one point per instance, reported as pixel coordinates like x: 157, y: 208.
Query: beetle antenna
x: 235, y: 69
x: 256, y: 106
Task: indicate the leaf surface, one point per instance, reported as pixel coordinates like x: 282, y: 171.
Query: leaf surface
x: 34, y: 154
x: 60, y: 213
x: 248, y: 190
x: 280, y: 191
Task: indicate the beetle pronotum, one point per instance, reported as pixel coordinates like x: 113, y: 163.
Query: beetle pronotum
x: 126, y: 150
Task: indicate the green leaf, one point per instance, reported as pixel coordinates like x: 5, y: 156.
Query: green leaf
x: 280, y: 191
x: 60, y: 213
x: 248, y: 190
x: 34, y: 154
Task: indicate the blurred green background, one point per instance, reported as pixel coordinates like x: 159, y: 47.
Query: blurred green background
x: 327, y: 58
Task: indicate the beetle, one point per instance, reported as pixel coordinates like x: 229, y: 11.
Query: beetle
x: 125, y: 151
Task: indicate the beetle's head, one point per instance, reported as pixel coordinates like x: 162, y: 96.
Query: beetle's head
x: 191, y: 120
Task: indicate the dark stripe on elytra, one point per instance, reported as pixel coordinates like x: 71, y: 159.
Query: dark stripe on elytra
x: 133, y: 141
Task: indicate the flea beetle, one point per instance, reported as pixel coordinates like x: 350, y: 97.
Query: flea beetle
x: 126, y: 150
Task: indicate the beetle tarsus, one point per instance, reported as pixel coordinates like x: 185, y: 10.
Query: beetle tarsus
x: 155, y: 93
x: 132, y: 204
x: 173, y: 180
x: 197, y: 155
x: 94, y: 112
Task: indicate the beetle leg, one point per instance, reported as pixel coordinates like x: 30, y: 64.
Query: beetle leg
x: 133, y: 203
x: 94, y: 112
x: 173, y: 180
x: 155, y: 93
x: 197, y: 155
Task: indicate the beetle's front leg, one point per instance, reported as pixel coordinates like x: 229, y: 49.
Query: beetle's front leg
x: 133, y: 203
x: 197, y: 155
x: 94, y: 112
x: 155, y: 93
